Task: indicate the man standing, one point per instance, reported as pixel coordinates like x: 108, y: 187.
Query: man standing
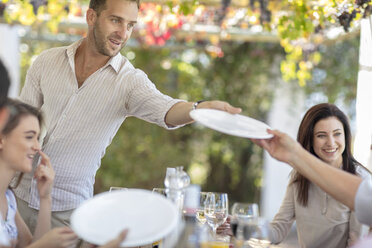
x: 86, y: 91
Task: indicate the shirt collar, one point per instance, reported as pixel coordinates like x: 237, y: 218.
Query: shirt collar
x: 115, y: 62
x: 71, y: 49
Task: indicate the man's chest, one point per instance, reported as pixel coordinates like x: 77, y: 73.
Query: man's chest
x: 83, y: 74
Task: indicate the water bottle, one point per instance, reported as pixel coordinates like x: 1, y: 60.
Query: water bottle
x: 175, y: 182
x: 191, y: 233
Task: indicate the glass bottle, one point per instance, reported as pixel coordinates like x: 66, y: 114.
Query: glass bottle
x: 192, y: 234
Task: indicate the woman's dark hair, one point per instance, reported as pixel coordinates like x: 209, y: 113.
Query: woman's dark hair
x: 305, y: 137
x: 4, y: 84
x: 18, y: 110
x: 99, y: 5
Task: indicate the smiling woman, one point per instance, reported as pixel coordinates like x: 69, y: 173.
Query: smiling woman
x: 321, y: 220
x: 329, y: 141
x: 19, y: 138
x: 18, y: 146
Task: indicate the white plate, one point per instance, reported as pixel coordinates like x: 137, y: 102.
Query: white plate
x: 149, y: 217
x: 237, y: 125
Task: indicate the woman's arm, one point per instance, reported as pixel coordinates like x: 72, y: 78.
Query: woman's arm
x: 43, y: 219
x: 355, y: 229
x: 283, y: 220
x: 44, y: 175
x: 24, y: 234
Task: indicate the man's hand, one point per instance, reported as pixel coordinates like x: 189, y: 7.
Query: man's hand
x: 179, y: 114
x: 219, y: 105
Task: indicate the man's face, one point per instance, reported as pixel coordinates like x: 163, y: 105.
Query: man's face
x: 114, y: 25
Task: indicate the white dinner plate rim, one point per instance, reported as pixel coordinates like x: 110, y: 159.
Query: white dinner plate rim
x: 127, y: 243
x: 199, y: 116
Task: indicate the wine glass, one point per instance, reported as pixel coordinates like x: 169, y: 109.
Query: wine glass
x: 245, y: 210
x: 216, y: 209
x: 241, y: 213
x: 200, y: 216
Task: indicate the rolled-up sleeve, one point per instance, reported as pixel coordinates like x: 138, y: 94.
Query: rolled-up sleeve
x: 146, y: 102
x: 363, y: 202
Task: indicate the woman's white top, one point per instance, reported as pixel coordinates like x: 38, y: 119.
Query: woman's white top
x: 8, y: 225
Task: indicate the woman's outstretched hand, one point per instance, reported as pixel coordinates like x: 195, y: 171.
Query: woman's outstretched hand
x: 281, y: 146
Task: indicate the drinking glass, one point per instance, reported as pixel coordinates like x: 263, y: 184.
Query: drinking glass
x: 200, y: 216
x: 256, y: 233
x: 175, y: 182
x: 241, y: 213
x: 216, y: 209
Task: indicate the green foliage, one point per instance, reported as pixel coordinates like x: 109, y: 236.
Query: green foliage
x: 336, y: 76
x: 184, y: 7
x: 242, y: 77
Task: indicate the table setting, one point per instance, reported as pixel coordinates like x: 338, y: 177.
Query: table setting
x: 155, y: 220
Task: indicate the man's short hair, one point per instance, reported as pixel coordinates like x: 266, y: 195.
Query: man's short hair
x: 4, y: 84
x: 99, y: 5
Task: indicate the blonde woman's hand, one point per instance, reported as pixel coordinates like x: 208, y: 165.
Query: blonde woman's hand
x: 60, y: 237
x: 225, y: 228
x: 44, y: 175
x: 115, y: 243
